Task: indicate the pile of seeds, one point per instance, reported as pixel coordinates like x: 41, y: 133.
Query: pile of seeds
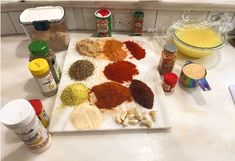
x: 81, y: 70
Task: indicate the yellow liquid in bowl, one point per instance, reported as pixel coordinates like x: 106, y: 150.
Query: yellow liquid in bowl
x: 202, y: 37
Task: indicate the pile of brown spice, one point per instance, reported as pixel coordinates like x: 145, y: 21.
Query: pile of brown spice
x: 110, y: 94
x: 120, y: 71
x: 113, y: 50
x: 142, y: 94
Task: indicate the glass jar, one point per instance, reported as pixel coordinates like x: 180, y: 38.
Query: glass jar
x: 168, y: 58
x: 39, y: 49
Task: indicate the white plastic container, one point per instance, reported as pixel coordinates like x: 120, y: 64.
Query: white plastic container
x: 20, y: 116
x: 46, y: 23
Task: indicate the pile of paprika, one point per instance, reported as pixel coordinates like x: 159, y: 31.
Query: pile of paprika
x: 120, y: 71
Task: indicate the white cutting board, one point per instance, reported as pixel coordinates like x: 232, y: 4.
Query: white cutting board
x: 148, y: 73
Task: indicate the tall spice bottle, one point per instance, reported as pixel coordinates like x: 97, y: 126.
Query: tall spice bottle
x: 168, y: 59
x: 39, y: 49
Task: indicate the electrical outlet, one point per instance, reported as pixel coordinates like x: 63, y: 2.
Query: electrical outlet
x: 123, y: 22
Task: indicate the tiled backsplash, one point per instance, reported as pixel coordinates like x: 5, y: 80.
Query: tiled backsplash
x: 84, y: 19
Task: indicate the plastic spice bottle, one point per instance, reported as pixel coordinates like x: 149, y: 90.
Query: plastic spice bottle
x: 19, y: 116
x: 138, y: 23
x: 40, y: 112
x: 168, y: 58
x: 39, y: 49
x: 169, y: 82
x: 40, y: 70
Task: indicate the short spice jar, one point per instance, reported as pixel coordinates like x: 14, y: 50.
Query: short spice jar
x: 40, y: 111
x: 39, y: 68
x: 39, y: 49
x: 169, y: 82
x: 168, y: 58
x: 19, y: 116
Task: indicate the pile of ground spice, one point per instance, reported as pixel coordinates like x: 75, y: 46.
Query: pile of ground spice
x: 74, y: 94
x: 120, y: 71
x: 113, y: 50
x: 110, y: 94
x: 142, y: 94
x: 81, y: 70
x: 88, y: 47
x: 137, y: 51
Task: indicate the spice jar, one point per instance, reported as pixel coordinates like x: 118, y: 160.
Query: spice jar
x: 39, y: 49
x: 19, y: 116
x: 40, y: 70
x: 40, y: 112
x: 46, y: 23
x: 169, y: 82
x: 167, y: 60
x: 138, y: 23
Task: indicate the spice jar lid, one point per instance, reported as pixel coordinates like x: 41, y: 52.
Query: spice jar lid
x: 38, y: 48
x: 170, y: 48
x: 53, y: 14
x: 17, y: 113
x: 37, y: 105
x: 139, y: 14
x: 38, y: 66
x: 102, y: 13
x: 170, y: 78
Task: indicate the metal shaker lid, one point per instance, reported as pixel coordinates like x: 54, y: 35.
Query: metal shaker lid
x: 170, y: 48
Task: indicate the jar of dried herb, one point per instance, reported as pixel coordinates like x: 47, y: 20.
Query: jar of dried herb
x: 39, y: 49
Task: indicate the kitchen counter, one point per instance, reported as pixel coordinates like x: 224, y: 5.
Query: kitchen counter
x: 203, y: 123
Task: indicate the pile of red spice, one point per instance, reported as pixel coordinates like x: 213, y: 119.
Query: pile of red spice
x: 111, y: 94
x: 120, y: 71
x: 137, y: 51
x: 142, y: 94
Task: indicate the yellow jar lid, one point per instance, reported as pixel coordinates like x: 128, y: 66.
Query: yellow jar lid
x: 38, y: 66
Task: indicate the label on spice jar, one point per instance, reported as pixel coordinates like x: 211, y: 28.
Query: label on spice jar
x: 56, y: 68
x: 44, y: 118
x: 47, y: 83
x: 35, y: 137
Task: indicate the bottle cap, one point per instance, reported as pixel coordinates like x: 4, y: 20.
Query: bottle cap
x: 170, y: 78
x: 170, y: 48
x: 139, y: 14
x: 37, y: 105
x: 38, y: 48
x: 38, y: 66
x: 17, y: 113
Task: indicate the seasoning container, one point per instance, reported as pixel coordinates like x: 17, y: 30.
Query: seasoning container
x: 19, y: 116
x: 168, y: 58
x: 169, y: 82
x: 46, y: 23
x: 138, y: 23
x: 40, y: 112
x: 103, y: 23
x: 39, y: 49
x: 40, y: 70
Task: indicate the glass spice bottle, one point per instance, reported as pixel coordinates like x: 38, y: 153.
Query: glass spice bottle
x: 168, y: 58
x: 39, y: 68
x: 169, y: 82
x: 138, y: 23
x: 39, y: 49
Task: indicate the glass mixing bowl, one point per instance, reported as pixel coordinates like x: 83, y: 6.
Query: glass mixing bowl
x: 195, y: 51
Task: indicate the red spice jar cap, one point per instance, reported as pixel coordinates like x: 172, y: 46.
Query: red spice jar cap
x: 102, y: 13
x: 170, y: 78
x: 37, y: 105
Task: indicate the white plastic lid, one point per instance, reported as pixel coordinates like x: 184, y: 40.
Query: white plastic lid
x: 17, y: 113
x: 50, y: 13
